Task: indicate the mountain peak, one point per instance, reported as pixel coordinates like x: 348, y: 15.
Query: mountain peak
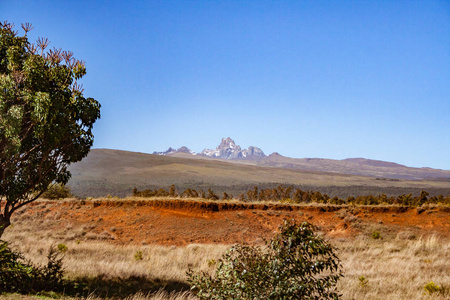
x: 275, y: 154
x: 226, y: 150
x: 229, y: 150
x: 227, y: 143
x: 185, y: 149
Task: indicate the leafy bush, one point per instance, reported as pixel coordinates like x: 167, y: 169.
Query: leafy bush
x: 296, y: 264
x: 15, y: 274
x: 432, y: 288
x: 363, y: 282
x: 376, y: 235
x: 57, y: 191
x: 62, y: 248
x: 138, y: 255
x: 18, y: 275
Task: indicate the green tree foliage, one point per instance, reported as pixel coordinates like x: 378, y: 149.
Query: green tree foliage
x: 18, y: 275
x: 45, y: 121
x: 297, y: 264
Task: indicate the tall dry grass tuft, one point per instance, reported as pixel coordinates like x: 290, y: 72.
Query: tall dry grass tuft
x: 395, y: 269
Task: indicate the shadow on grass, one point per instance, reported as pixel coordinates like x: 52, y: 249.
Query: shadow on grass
x: 106, y: 287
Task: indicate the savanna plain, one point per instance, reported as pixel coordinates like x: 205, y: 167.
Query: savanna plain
x: 136, y: 248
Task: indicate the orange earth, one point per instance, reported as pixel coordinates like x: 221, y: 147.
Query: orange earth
x: 182, y: 222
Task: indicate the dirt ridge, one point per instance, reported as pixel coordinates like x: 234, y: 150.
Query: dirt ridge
x: 217, y: 206
x: 172, y: 221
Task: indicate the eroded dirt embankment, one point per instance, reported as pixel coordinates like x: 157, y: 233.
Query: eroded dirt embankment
x: 181, y: 222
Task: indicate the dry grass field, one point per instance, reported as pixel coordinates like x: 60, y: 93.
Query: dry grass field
x: 397, y: 265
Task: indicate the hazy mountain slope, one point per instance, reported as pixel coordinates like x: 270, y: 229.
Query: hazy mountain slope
x: 116, y: 172
x: 355, y: 166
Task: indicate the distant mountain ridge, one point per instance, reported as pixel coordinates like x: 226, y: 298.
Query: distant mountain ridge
x: 173, y: 151
x: 228, y: 150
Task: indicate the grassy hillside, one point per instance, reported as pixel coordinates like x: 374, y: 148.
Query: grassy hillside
x: 116, y: 172
x: 356, y: 166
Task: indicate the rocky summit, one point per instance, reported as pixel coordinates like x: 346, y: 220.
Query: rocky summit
x: 226, y: 150
x: 229, y: 150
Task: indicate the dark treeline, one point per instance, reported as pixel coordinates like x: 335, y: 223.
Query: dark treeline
x: 93, y: 188
x: 172, y: 192
x: 292, y: 194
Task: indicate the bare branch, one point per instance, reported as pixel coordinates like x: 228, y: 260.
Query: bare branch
x: 54, y: 55
x: 27, y: 201
x: 81, y: 63
x: 43, y: 43
x: 27, y: 27
x: 77, y: 87
x: 32, y: 48
x: 71, y: 63
x: 67, y: 55
x: 7, y: 25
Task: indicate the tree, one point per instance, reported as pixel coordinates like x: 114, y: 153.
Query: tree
x: 45, y: 121
x: 297, y: 264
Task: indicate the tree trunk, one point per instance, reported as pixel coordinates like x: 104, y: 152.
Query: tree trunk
x: 4, y: 222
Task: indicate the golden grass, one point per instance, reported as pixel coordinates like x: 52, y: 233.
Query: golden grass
x: 112, y: 261
x: 395, y: 269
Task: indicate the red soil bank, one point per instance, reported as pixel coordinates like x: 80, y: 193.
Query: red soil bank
x: 181, y: 222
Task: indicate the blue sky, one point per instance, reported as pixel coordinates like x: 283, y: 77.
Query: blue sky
x: 328, y: 79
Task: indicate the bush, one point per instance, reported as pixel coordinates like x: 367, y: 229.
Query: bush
x: 57, y: 191
x: 296, y: 264
x: 363, y: 282
x: 376, y: 235
x: 18, y: 275
x: 138, y: 255
x: 62, y: 248
x: 15, y: 274
x: 432, y: 288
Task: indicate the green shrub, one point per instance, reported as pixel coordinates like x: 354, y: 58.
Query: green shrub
x: 50, y: 277
x: 211, y: 262
x: 432, y: 288
x: 363, y: 281
x: 57, y: 191
x: 296, y: 264
x: 18, y: 275
x: 62, y: 248
x: 376, y: 235
x: 138, y: 255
